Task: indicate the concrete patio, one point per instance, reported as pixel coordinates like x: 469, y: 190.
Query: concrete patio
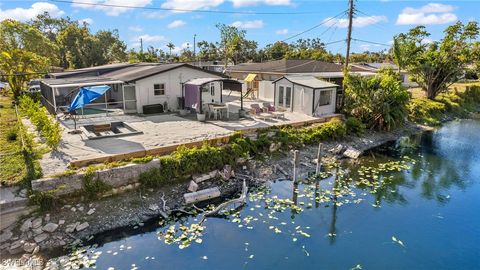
x: 159, y: 131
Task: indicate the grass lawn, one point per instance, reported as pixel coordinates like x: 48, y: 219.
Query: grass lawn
x: 16, y: 167
x: 460, y: 86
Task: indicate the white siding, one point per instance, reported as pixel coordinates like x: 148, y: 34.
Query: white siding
x: 303, y: 99
x: 207, y: 97
x: 265, y: 90
x: 326, y: 109
x: 173, y: 88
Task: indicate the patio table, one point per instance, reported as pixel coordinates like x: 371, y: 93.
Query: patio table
x: 217, y: 109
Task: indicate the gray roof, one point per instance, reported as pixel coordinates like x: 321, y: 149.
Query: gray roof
x: 125, y: 72
x: 308, y: 81
x: 79, y: 81
x: 289, y: 66
x: 90, y: 71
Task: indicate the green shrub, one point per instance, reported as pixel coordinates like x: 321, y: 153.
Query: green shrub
x: 453, y: 103
x: 380, y: 101
x: 355, y: 126
x: 92, y: 186
x: 425, y: 111
x: 12, y: 134
x: 39, y: 116
x: 332, y: 130
x: 45, y: 200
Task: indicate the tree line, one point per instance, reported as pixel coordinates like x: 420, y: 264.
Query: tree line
x: 28, y: 50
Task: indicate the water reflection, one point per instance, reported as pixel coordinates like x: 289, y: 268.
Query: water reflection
x: 351, y: 213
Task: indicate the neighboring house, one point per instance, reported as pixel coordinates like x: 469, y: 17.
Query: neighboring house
x: 216, y: 66
x: 258, y: 77
x: 134, y: 87
x: 305, y: 94
x: 376, y: 67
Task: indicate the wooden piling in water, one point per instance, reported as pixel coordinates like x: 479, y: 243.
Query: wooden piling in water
x: 319, y: 159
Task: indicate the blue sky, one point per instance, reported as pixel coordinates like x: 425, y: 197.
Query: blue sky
x: 376, y: 21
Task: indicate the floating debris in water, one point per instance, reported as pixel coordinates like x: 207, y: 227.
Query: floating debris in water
x: 394, y: 239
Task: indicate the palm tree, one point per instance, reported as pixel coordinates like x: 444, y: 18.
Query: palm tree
x: 171, y: 46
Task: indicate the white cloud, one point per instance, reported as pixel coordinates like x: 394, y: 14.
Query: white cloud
x: 359, y: 22
x: 25, y: 14
x: 149, y: 38
x: 110, y: 11
x: 248, y: 24
x: 283, y: 31
x: 155, y: 14
x: 244, y: 3
x: 431, y: 13
x: 146, y: 39
x: 191, y: 4
x: 135, y: 28
x: 86, y: 20
x: 176, y: 24
x: 368, y: 47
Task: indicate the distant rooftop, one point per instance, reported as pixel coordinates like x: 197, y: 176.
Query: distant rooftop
x: 290, y: 66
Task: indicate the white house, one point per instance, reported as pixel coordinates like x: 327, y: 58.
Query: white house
x: 135, y: 88
x: 258, y: 77
x: 305, y: 94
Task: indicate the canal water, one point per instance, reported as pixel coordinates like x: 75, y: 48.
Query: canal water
x: 412, y: 205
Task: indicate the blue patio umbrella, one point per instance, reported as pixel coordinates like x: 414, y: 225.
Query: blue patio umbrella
x: 87, y: 95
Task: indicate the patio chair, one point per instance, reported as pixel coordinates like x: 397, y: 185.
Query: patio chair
x: 277, y: 113
x: 257, y: 112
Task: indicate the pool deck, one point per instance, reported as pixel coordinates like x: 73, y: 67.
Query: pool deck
x: 162, y: 134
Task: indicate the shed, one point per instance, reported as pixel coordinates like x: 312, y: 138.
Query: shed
x: 197, y: 93
x: 305, y: 94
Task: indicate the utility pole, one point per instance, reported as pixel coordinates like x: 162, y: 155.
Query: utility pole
x: 194, y: 48
x: 349, y: 34
x: 141, y: 45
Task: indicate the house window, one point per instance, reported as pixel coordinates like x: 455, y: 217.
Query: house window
x: 325, y: 98
x: 212, y: 89
x: 281, y: 90
x: 159, y: 89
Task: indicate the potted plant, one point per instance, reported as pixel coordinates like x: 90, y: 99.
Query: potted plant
x: 201, y: 117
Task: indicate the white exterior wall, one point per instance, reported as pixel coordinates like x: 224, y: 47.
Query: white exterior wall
x: 284, y: 83
x: 173, y: 88
x: 265, y: 90
x: 302, y: 99
x: 326, y: 109
x: 207, y: 97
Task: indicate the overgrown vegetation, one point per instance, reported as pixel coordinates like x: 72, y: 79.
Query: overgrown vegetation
x: 187, y: 161
x: 380, y: 102
x: 355, y: 126
x: 45, y: 200
x: 452, y: 103
x: 92, y: 185
x: 19, y: 154
x: 46, y: 126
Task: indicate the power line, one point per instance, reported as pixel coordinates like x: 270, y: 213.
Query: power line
x: 371, y: 42
x: 374, y: 23
x: 314, y: 27
x: 185, y: 10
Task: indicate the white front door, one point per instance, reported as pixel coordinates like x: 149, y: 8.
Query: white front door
x: 285, y: 97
